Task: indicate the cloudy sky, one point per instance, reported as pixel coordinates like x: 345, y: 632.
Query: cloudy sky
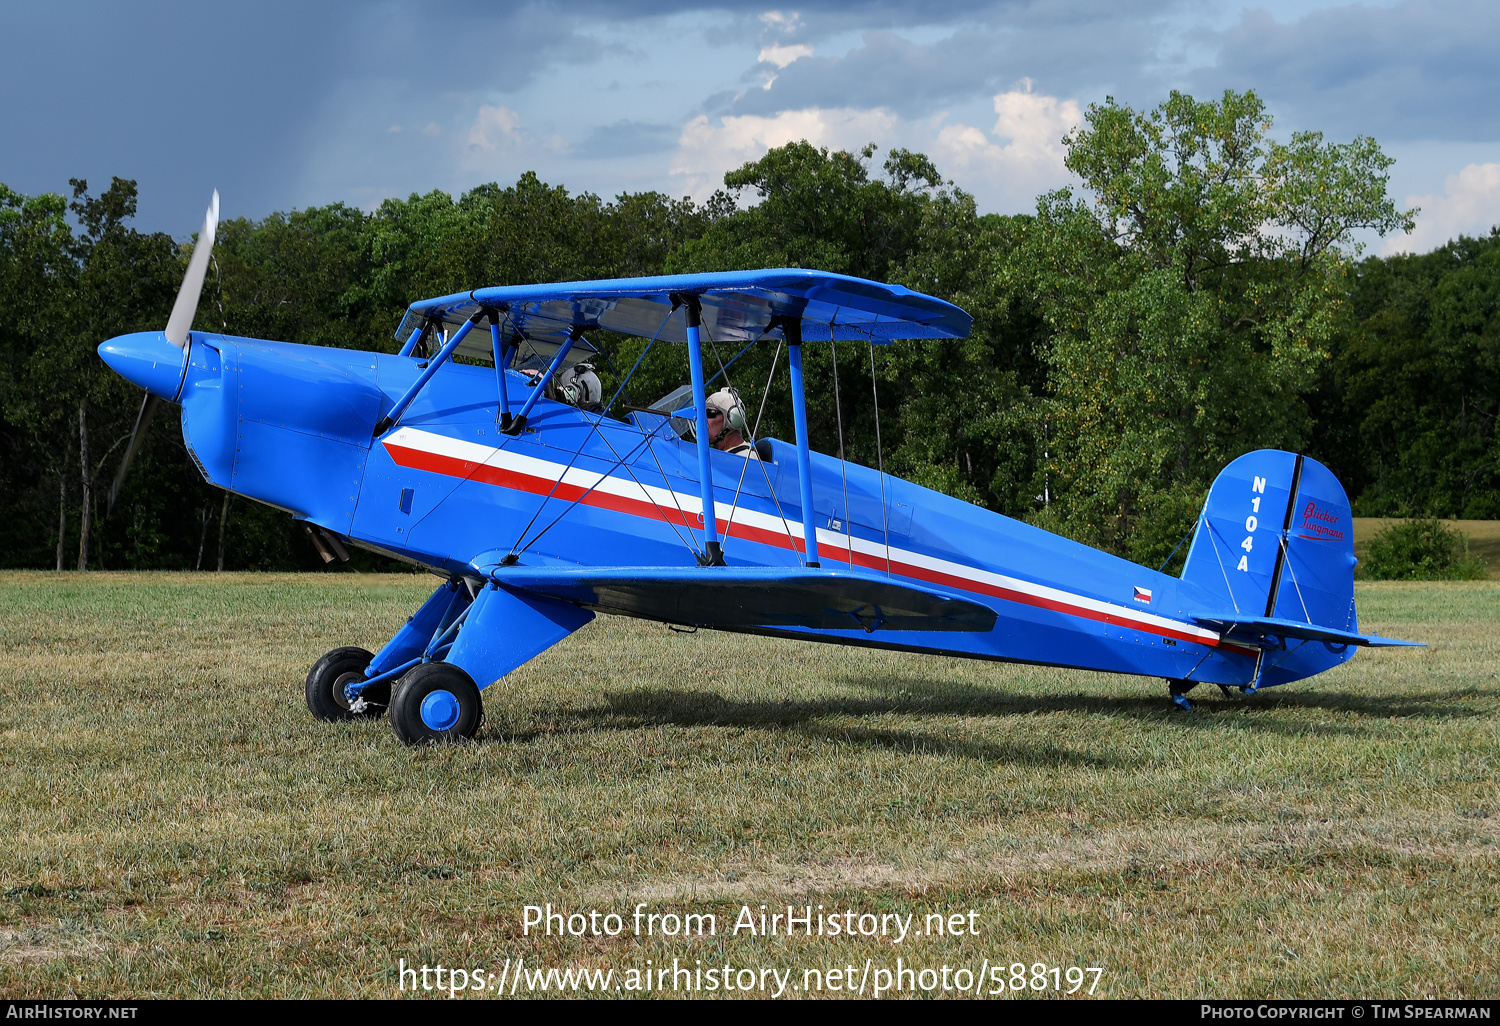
x: 292, y: 103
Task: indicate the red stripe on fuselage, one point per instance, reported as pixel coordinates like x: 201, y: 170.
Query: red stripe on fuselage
x: 452, y: 466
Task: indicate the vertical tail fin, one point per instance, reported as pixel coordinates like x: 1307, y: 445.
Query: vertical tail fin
x: 1276, y: 539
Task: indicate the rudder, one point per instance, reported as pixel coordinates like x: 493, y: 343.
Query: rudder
x: 1276, y: 539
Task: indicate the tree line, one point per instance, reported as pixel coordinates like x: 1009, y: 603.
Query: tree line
x: 1199, y: 296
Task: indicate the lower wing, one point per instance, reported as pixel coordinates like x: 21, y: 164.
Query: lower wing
x: 730, y: 597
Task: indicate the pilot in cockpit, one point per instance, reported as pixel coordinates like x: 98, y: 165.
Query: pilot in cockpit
x: 577, y: 385
x: 726, y: 424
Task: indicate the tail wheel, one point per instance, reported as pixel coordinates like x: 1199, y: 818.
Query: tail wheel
x: 1177, y: 690
x: 325, y: 686
x: 436, y: 702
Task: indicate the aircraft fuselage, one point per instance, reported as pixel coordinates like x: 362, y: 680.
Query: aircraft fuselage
x: 291, y: 426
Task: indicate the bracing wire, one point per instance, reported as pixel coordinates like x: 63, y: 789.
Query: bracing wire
x: 612, y: 369
x: 838, y: 407
x: 620, y: 461
x: 885, y: 525
x: 724, y: 367
x: 1176, y: 547
x: 621, y: 390
x: 708, y: 334
x: 1213, y: 534
x: 1287, y: 562
x: 765, y: 474
x: 755, y: 433
x: 517, y: 547
x: 667, y: 483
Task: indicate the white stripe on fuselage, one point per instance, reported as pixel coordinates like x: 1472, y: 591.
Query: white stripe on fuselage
x: 671, y: 500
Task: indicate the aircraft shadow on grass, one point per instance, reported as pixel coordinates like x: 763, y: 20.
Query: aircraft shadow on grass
x: 633, y: 710
x: 912, y: 696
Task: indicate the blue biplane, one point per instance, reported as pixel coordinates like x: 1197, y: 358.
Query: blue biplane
x: 538, y: 513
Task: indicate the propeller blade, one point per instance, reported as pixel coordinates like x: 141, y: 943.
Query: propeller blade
x: 142, y: 421
x: 186, y: 306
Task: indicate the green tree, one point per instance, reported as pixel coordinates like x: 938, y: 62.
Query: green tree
x: 1409, y: 405
x: 1190, y: 305
x: 38, y: 272
x: 109, y: 279
x: 952, y: 414
x: 299, y: 277
x: 329, y: 275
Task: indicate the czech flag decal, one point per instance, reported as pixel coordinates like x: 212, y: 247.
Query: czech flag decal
x: 1143, y: 594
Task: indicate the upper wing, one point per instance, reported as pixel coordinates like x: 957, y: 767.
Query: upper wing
x: 732, y: 597
x: 737, y: 306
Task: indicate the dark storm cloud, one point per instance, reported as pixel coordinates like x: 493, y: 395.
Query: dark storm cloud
x: 177, y: 96
x: 1066, y: 50
x: 1412, y: 71
x: 189, y: 96
x: 887, y: 71
x: 186, y: 96
x: 628, y: 139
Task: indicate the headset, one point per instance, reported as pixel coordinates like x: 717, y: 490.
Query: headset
x: 580, y: 386
x: 734, y: 420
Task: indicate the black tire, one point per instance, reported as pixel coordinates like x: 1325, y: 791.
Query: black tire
x: 325, y: 686
x: 1181, y: 687
x: 436, y: 702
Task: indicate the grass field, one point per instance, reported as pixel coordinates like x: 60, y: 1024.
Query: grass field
x: 173, y: 823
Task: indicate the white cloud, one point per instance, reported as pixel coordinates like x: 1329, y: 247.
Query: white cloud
x: 497, y: 137
x: 1026, y: 160
x: 1035, y: 124
x: 1005, y: 169
x: 1031, y: 127
x: 779, y: 21
x: 1469, y: 205
x: 495, y: 128
x: 705, y: 151
x: 781, y: 56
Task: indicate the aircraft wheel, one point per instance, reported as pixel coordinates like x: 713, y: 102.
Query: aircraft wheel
x: 436, y: 702
x: 325, y: 686
x: 1178, y: 690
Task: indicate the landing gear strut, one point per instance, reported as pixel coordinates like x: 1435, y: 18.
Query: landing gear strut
x: 1178, y: 689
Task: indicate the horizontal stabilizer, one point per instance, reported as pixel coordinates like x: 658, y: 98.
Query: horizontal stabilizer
x: 737, y: 597
x: 1256, y: 628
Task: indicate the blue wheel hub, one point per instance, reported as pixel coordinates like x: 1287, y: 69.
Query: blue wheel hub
x: 440, y: 710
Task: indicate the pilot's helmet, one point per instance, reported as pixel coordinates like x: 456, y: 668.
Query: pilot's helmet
x: 727, y: 401
x: 581, y: 386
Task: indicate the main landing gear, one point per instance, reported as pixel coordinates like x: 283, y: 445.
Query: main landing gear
x: 431, y: 702
x: 436, y: 702
x: 427, y: 676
